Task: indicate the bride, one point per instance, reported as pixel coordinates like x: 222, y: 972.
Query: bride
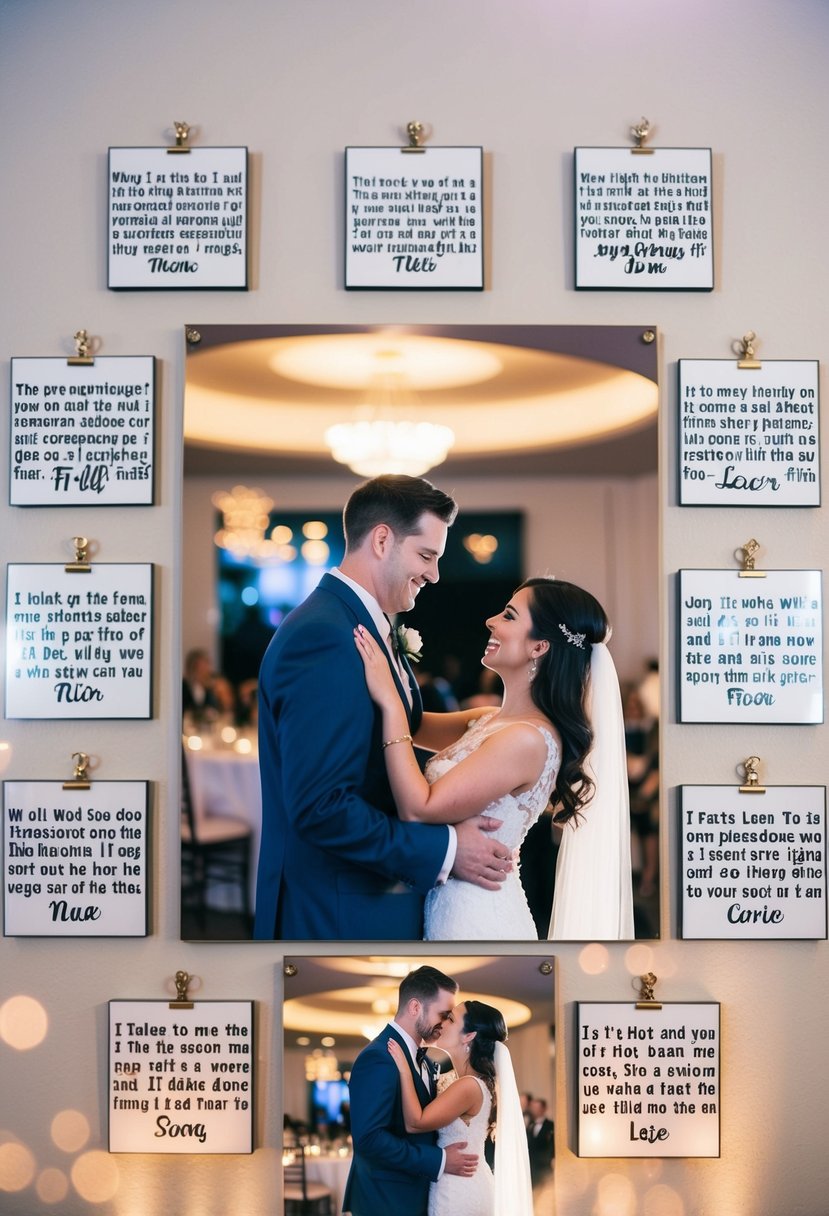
x: 557, y: 736
x: 481, y: 1098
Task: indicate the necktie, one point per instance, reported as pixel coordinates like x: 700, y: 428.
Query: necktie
x: 394, y: 641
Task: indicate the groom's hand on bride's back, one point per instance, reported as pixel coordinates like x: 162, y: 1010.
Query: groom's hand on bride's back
x: 459, y: 1162
x: 479, y: 858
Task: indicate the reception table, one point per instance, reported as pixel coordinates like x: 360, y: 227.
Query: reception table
x: 225, y: 782
x: 332, y: 1171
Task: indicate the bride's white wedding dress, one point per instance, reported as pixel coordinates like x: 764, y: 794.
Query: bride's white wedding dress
x: 461, y: 911
x: 453, y: 1195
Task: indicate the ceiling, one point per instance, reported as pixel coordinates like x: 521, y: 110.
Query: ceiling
x: 337, y: 993
x: 258, y: 399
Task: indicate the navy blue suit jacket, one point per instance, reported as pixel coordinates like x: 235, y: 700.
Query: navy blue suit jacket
x: 391, y: 1168
x: 335, y: 862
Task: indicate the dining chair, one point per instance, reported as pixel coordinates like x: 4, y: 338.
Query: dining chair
x: 302, y: 1197
x: 214, y: 848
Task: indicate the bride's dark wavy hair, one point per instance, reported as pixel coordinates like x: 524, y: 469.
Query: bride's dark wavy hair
x: 490, y: 1028
x: 562, y: 680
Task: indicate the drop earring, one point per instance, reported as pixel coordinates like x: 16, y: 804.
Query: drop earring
x: 533, y: 669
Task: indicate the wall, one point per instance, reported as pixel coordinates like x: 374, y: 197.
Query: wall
x: 297, y: 82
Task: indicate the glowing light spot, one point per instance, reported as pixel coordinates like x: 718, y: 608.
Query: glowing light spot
x: 5, y: 754
x: 95, y: 1176
x: 594, y: 959
x: 52, y: 1186
x: 250, y: 596
x: 70, y: 1130
x: 315, y: 529
x: 315, y: 552
x: 17, y: 1166
x: 616, y: 1196
x: 639, y: 959
x: 23, y: 1022
x: 662, y: 1201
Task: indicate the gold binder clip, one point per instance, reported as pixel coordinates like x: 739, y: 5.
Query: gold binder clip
x: 747, y: 553
x: 640, y: 132
x: 752, y: 776
x: 81, y: 563
x: 744, y: 347
x: 646, y: 1001
x: 416, y: 132
x: 182, y: 130
x: 80, y: 776
x: 82, y: 357
x: 183, y: 982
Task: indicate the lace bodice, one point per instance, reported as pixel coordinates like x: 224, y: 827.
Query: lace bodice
x: 453, y: 1195
x: 461, y: 911
x: 518, y: 811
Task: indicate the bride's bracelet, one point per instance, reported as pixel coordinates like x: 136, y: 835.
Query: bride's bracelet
x: 402, y: 739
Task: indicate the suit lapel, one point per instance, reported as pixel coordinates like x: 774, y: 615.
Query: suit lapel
x: 343, y: 592
x: 423, y: 1090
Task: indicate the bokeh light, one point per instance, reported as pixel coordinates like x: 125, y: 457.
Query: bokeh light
x: 662, y: 1201
x: 594, y: 959
x: 616, y: 1196
x: 52, y: 1186
x: 5, y: 754
x: 17, y: 1166
x: 639, y: 959
x: 70, y: 1130
x: 95, y: 1176
x: 24, y: 1022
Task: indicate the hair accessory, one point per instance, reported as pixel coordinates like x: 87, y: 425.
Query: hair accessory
x: 575, y: 639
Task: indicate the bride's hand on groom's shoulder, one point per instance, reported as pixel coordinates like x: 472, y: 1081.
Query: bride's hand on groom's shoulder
x: 396, y: 1053
x: 379, y: 680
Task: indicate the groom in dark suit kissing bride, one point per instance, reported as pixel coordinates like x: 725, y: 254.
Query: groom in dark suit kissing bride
x: 335, y: 862
x: 391, y: 1168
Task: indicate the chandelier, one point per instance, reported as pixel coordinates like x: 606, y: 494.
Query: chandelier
x: 383, y: 438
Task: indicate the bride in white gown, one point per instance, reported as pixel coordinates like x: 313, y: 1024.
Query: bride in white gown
x: 557, y: 736
x: 480, y: 1096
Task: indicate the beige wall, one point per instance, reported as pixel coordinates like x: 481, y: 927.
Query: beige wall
x: 297, y: 82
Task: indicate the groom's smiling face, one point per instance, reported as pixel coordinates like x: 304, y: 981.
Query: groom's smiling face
x: 409, y: 563
x: 433, y: 1014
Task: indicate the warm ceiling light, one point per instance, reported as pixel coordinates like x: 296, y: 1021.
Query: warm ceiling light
x: 372, y: 448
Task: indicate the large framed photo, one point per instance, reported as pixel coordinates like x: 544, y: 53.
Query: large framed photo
x: 414, y: 221
x: 750, y: 649
x: 749, y: 437
x: 177, y: 221
x: 75, y: 861
x: 643, y: 222
x: 181, y: 1078
x: 82, y: 435
x: 648, y: 1080
x: 79, y: 645
x: 753, y: 863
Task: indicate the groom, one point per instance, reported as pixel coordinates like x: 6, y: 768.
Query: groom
x: 391, y: 1168
x: 335, y: 862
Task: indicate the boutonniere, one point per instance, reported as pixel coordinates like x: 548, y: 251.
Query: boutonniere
x: 409, y: 643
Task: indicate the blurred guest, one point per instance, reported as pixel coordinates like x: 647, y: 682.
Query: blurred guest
x: 540, y: 1141
x: 525, y: 1099
x: 642, y: 744
x: 198, y: 694
x: 487, y: 692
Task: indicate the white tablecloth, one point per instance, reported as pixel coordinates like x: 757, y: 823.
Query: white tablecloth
x: 224, y: 782
x: 332, y: 1172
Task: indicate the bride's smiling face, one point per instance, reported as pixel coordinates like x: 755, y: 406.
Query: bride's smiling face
x: 510, y: 645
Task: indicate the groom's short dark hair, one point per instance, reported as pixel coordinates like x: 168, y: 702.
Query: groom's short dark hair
x: 424, y: 984
x: 396, y: 500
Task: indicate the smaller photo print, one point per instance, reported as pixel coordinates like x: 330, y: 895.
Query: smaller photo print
x: 419, y: 1084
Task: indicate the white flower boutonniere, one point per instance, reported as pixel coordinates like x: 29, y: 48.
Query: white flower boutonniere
x: 409, y: 643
